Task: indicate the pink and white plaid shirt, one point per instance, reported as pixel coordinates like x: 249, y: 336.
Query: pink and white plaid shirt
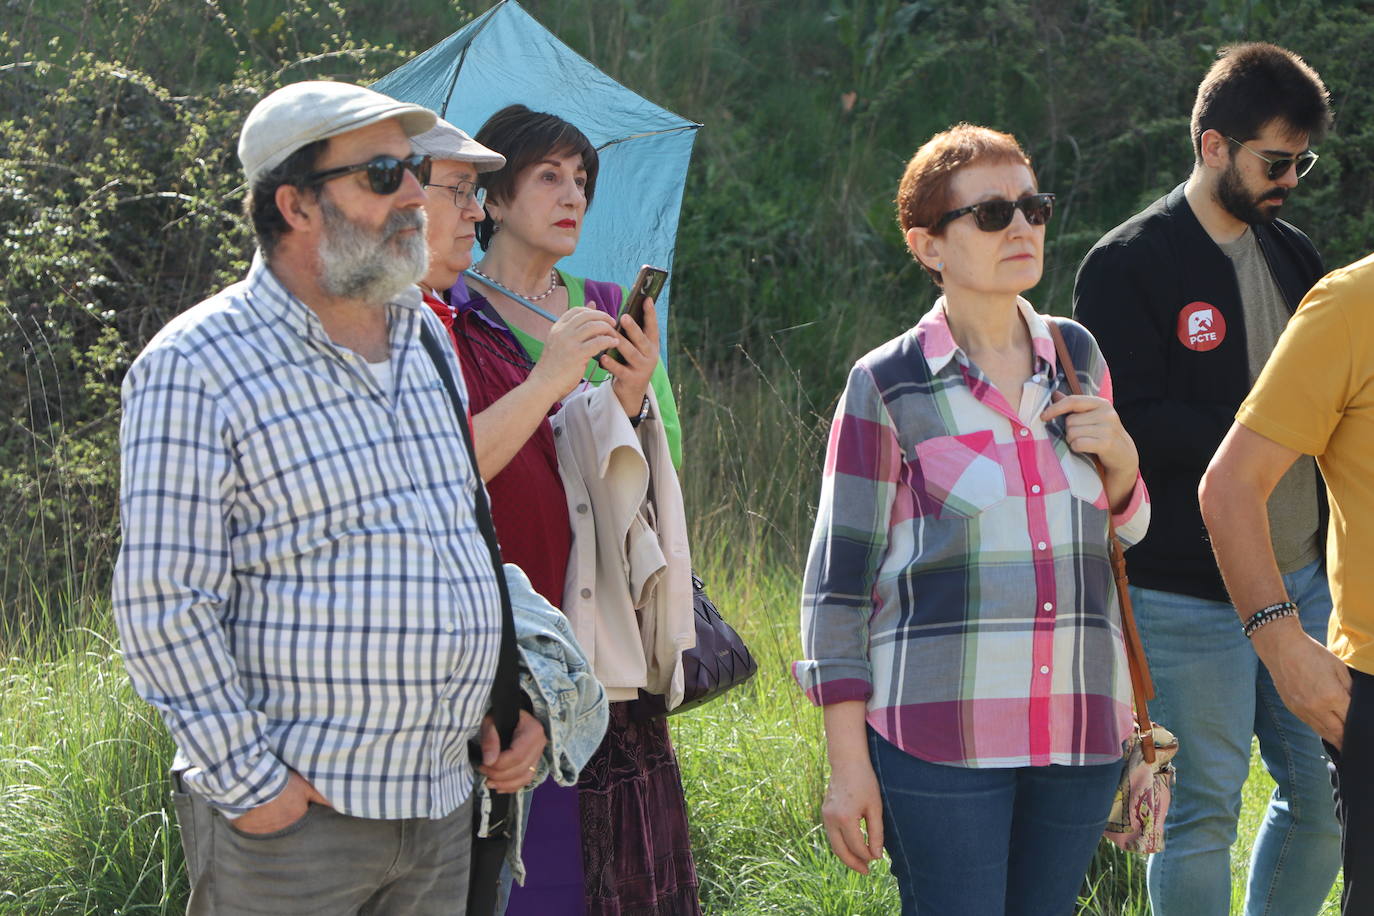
x: 958, y: 578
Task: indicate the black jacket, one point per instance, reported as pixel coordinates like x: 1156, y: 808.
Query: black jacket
x: 1134, y: 291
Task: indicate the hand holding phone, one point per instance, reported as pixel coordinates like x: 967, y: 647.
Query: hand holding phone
x: 648, y: 284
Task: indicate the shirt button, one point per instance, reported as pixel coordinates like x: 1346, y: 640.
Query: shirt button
x: 452, y: 628
x: 582, y: 508
x: 585, y: 593
x: 1044, y: 669
x: 1040, y: 546
x: 1048, y: 606
x: 557, y: 432
x: 1025, y: 432
x: 1035, y: 488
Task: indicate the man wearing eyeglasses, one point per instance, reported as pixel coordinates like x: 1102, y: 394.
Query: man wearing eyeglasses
x: 455, y: 204
x: 1187, y: 299
x: 302, y: 590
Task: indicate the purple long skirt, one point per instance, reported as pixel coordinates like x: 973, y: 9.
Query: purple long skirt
x: 628, y: 816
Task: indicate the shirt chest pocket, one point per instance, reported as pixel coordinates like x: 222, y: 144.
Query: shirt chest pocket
x: 958, y: 476
x: 1082, y: 477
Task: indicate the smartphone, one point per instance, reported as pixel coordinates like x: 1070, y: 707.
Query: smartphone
x: 648, y: 284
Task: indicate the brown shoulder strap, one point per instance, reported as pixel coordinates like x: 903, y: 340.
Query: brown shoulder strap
x: 1141, y: 683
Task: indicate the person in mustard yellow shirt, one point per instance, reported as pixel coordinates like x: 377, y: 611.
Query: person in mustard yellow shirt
x: 1315, y: 396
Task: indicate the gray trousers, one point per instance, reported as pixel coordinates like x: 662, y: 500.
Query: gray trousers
x: 326, y: 863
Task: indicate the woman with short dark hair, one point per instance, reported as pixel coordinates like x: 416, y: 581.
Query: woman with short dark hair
x: 529, y: 335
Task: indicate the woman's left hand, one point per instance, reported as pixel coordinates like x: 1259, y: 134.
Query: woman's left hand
x: 1092, y: 427
x: 639, y: 347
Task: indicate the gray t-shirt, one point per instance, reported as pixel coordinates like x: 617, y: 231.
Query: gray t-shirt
x: 1293, y: 504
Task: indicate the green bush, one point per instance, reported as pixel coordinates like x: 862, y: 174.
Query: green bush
x: 120, y: 209
x: 119, y: 206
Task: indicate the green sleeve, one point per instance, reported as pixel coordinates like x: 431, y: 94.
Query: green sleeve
x: 667, y: 409
x: 667, y: 405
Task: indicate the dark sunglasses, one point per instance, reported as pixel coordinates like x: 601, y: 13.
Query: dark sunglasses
x: 996, y: 215
x: 1279, y: 167
x: 384, y: 173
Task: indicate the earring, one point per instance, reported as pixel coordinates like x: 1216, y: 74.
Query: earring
x: 940, y: 266
x: 495, y: 228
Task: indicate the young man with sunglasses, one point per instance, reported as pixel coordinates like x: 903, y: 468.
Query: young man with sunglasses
x: 1187, y: 299
x: 302, y: 589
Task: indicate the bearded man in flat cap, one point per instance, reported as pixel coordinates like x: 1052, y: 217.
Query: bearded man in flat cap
x: 302, y: 591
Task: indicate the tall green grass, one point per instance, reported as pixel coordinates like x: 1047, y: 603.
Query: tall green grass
x: 85, y: 825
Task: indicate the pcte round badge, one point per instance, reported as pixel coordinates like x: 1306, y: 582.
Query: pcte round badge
x: 1201, y: 326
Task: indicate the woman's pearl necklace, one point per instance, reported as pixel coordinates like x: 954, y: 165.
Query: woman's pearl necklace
x: 553, y: 285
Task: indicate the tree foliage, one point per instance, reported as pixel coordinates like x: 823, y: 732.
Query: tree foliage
x: 119, y: 207
x: 118, y: 201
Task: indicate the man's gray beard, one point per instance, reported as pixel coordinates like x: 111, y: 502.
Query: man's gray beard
x: 358, y: 263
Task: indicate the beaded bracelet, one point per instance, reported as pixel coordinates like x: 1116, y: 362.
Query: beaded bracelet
x: 1266, y: 614
x: 643, y: 412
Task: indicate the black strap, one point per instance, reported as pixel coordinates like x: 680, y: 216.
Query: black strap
x: 506, y: 695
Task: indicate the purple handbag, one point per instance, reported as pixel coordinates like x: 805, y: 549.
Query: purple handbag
x: 719, y: 661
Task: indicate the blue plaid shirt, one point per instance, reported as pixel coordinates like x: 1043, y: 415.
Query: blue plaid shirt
x: 301, y: 582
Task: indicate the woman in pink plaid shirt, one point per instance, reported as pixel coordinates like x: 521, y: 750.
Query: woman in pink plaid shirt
x: 959, y: 620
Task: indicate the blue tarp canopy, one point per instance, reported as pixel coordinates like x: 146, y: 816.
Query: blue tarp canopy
x: 504, y: 56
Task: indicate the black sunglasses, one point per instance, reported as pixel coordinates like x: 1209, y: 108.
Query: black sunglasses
x: 384, y: 173
x: 1279, y: 167
x: 996, y: 215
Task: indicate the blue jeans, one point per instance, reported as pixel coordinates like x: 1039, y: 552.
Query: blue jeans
x: 1213, y: 692
x: 991, y: 842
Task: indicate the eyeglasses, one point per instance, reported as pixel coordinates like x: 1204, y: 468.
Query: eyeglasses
x: 1279, y: 167
x: 384, y: 173
x: 996, y: 215
x: 464, y: 193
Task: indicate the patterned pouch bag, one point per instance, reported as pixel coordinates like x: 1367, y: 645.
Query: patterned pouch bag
x: 1136, y: 823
